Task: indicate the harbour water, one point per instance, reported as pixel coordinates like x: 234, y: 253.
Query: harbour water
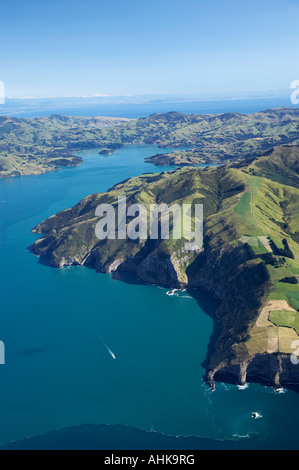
x: 59, y: 326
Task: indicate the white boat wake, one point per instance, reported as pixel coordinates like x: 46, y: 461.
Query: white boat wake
x: 98, y: 334
x: 108, y: 349
x: 257, y: 415
x: 103, y: 342
x: 111, y: 353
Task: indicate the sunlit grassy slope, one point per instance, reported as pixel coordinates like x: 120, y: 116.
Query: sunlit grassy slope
x: 250, y: 246
x: 31, y: 146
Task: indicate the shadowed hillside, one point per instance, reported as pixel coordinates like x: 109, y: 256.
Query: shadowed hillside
x: 250, y: 255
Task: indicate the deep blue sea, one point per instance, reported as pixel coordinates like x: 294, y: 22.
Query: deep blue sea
x: 134, y: 111
x: 59, y: 374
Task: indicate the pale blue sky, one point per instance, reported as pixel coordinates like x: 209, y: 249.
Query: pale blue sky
x: 69, y: 47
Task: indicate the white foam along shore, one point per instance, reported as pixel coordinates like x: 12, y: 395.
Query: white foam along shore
x: 257, y: 415
x: 243, y: 387
x: 174, y: 291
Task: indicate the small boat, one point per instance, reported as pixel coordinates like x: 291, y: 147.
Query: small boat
x: 112, y: 355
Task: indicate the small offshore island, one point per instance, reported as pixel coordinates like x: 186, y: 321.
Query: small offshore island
x: 110, y: 149
x: 41, y: 145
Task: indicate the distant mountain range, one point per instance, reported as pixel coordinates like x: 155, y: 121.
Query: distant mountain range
x: 34, y: 146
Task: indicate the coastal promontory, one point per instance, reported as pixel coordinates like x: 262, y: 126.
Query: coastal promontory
x: 250, y: 257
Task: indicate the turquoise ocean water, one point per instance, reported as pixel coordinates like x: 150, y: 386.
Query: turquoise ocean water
x: 58, y: 372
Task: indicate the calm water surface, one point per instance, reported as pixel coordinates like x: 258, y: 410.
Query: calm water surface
x: 58, y: 371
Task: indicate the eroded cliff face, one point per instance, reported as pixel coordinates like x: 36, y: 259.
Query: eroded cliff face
x: 153, y: 270
x: 242, y: 284
x: 226, y: 273
x: 164, y: 270
x: 275, y: 370
x: 228, y: 267
x: 150, y: 269
x: 231, y: 273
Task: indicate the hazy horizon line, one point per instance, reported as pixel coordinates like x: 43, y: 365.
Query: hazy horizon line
x: 181, y: 96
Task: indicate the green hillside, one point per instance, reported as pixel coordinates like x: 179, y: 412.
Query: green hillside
x: 39, y: 145
x: 250, y: 249
x: 31, y: 146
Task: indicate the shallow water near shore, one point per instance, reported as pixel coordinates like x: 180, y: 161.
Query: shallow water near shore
x: 56, y: 325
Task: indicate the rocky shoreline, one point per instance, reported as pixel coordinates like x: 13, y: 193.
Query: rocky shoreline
x: 268, y: 369
x: 272, y: 370
x: 236, y: 265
